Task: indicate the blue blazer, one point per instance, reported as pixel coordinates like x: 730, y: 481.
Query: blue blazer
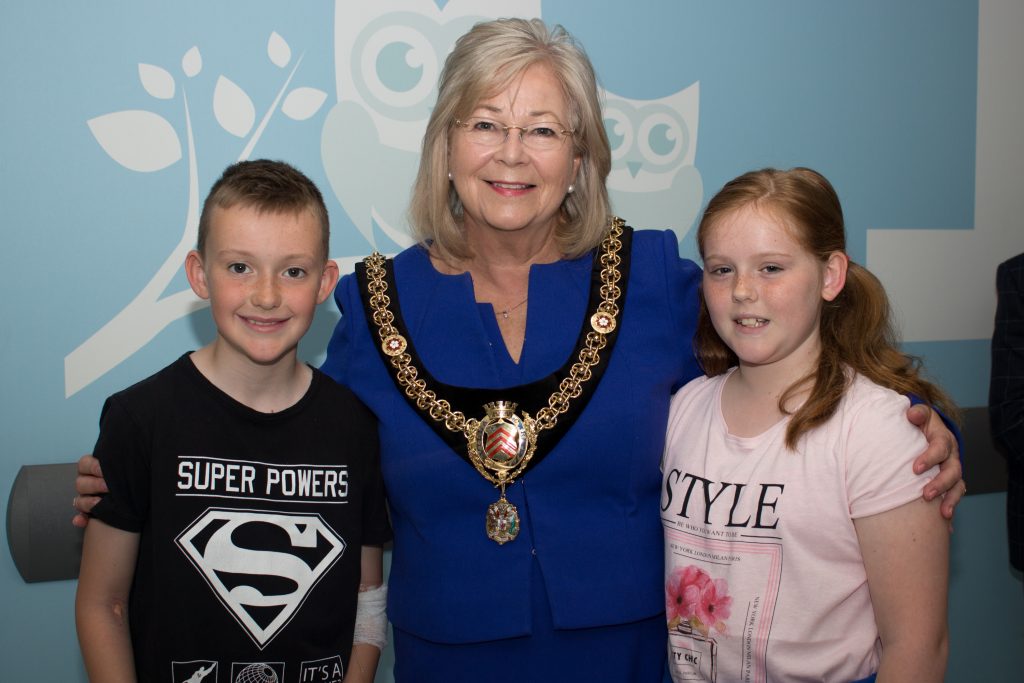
x: 589, y: 511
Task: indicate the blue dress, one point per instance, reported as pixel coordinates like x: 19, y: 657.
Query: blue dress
x: 579, y: 594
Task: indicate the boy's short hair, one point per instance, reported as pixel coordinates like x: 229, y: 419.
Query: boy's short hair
x: 266, y: 186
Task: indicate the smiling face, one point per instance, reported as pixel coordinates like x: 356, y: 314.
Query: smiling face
x: 510, y: 187
x: 764, y: 291
x: 264, y: 274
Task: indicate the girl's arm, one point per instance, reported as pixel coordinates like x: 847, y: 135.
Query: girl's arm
x: 101, y: 605
x: 362, y: 665
x: 906, y: 554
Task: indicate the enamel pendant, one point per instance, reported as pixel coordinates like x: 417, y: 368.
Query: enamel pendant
x: 502, y: 521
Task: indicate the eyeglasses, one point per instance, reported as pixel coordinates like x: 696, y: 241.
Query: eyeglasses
x: 541, y: 137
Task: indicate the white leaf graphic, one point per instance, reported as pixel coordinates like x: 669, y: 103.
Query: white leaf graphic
x: 302, y: 103
x: 138, y: 140
x: 233, y: 108
x: 278, y: 51
x: 157, y: 81
x: 192, y: 62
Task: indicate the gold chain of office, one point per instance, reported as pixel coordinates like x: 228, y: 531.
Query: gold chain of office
x: 602, y: 322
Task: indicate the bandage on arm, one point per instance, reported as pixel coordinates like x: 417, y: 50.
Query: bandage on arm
x: 371, y: 616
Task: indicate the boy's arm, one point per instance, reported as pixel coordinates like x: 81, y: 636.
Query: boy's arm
x: 362, y: 664
x: 101, y: 604
x: 906, y: 555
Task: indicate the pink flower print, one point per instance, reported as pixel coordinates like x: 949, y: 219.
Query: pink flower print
x: 692, y: 597
x: 683, y: 592
x: 713, y: 605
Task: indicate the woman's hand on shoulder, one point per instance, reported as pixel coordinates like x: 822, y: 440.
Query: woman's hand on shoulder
x: 943, y: 451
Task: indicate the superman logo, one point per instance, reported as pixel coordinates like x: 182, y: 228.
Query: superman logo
x: 261, y: 565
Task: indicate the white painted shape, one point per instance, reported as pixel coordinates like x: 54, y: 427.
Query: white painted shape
x: 942, y: 282
x: 302, y: 103
x: 278, y: 50
x: 192, y: 62
x: 157, y: 81
x: 233, y: 108
x: 138, y: 140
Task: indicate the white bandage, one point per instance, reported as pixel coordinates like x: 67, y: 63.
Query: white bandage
x: 372, y: 618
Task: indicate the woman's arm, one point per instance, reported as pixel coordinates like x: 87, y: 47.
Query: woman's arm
x: 101, y: 604
x: 906, y: 555
x: 362, y: 665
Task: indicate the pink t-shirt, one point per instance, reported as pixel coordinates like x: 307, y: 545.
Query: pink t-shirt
x: 764, y: 578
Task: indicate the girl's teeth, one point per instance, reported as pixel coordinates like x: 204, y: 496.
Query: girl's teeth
x: 752, y: 322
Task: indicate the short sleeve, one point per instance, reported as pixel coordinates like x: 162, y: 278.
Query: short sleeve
x: 124, y: 457
x: 881, y: 447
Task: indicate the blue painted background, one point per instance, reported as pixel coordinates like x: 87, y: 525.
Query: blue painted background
x: 880, y: 96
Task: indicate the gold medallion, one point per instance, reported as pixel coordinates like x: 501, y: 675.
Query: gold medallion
x: 394, y: 345
x: 602, y: 323
x: 502, y: 441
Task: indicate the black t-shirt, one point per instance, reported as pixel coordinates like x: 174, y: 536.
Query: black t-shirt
x: 251, y: 526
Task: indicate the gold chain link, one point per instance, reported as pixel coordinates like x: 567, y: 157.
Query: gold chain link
x: 439, y: 410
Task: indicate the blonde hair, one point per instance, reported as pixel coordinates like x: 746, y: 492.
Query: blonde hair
x: 487, y: 59
x: 856, y: 327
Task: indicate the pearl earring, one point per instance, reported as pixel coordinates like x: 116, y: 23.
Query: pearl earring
x: 451, y: 176
x: 572, y: 188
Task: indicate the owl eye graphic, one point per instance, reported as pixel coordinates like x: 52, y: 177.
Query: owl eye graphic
x: 619, y: 128
x: 396, y: 69
x: 662, y: 138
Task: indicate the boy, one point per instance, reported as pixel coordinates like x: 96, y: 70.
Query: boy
x: 246, y: 507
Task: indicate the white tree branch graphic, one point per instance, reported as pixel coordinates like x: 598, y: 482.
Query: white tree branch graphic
x: 144, y: 141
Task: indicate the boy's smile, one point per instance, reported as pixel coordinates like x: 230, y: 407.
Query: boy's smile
x: 264, y: 274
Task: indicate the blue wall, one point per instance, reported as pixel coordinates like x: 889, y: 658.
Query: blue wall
x: 118, y: 115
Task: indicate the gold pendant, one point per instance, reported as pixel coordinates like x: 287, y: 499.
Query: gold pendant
x: 500, y: 446
x: 502, y: 521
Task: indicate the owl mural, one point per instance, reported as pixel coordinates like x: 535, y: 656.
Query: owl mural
x: 654, y: 183
x: 388, y: 56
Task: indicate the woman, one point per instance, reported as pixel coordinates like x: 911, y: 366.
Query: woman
x: 541, y: 552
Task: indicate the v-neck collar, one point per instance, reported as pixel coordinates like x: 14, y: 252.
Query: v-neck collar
x: 458, y: 338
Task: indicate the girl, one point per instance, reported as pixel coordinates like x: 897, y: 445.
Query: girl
x: 797, y: 545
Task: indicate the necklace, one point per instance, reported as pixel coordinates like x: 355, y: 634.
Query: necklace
x: 502, y: 443
x: 506, y: 311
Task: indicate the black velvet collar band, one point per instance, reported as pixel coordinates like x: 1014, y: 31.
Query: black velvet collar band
x: 529, y: 397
